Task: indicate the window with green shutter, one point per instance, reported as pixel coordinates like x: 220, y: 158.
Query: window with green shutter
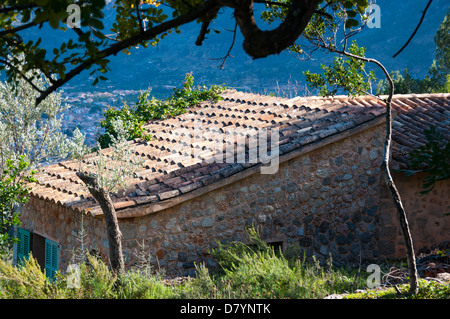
x: 51, y: 258
x: 23, y: 245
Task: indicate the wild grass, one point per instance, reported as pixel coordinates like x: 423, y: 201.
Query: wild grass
x: 261, y: 271
x: 246, y: 272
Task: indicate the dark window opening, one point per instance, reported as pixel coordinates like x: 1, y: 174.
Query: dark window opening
x: 39, y: 250
x: 277, y: 247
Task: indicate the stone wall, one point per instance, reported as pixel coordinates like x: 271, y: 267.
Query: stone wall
x: 325, y: 202
x: 62, y: 225
x: 426, y: 215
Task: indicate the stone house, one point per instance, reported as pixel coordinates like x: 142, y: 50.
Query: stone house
x: 304, y: 171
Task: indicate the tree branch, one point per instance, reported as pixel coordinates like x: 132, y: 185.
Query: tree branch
x: 141, y: 25
x: 388, y: 177
x: 17, y: 29
x: 132, y: 41
x: 5, y: 62
x: 258, y: 43
x: 415, y: 30
x: 229, y: 50
x: 203, y: 30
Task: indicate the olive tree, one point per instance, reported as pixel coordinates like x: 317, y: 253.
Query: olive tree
x: 104, y: 173
x: 30, y: 136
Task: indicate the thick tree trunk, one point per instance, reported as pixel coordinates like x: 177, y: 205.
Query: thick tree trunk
x: 261, y: 43
x: 112, y: 225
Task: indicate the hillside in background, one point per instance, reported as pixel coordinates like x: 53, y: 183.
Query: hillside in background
x: 163, y: 67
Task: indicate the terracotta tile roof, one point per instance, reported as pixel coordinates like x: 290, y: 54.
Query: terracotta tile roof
x: 416, y: 112
x: 301, y: 122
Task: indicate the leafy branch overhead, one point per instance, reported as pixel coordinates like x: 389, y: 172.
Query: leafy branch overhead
x: 348, y: 74
x: 134, y: 117
x: 139, y: 23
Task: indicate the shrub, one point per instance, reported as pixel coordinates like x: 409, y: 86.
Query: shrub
x: 428, y: 289
x: 141, y: 284
x: 27, y: 281
x: 257, y: 270
x: 146, y: 109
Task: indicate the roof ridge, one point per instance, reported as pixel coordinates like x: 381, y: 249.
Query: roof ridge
x: 420, y: 95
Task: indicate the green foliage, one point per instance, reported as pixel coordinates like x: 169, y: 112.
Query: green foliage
x: 442, y: 41
x: 248, y: 271
x: 29, y: 136
x: 96, y: 282
x: 29, y: 130
x: 433, y: 82
x: 258, y: 270
x: 26, y: 282
x: 344, y: 73
x: 142, y: 284
x: 13, y: 191
x: 428, y: 289
x: 146, y: 109
x: 432, y: 158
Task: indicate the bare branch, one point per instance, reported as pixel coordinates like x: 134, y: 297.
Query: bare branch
x: 415, y: 30
x: 229, y: 50
x: 203, y: 30
x: 387, y: 173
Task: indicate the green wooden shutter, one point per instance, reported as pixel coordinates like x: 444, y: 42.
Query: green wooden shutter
x: 51, y: 258
x: 23, y: 245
